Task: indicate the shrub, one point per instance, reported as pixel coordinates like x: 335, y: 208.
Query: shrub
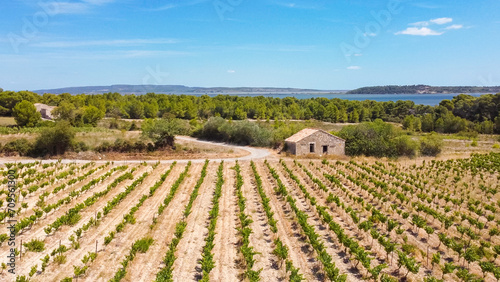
x: 431, y: 145
x: 21, y: 146
x: 35, y: 246
x: 80, y: 147
x: 240, y: 132
x: 377, y: 139
x: 56, y: 140
x: 474, y: 143
x: 142, y: 245
x: 60, y: 259
x: 162, y: 131
x: 468, y: 134
x: 405, y: 146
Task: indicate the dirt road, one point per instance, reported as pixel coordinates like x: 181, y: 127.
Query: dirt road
x: 254, y: 154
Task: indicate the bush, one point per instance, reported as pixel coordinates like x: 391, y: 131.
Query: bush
x: 468, y: 134
x: 124, y: 146
x: 35, y: 246
x: 405, y: 146
x: 60, y: 259
x: 240, y: 132
x: 21, y: 146
x: 474, y: 143
x: 142, y: 245
x: 212, y: 129
x: 431, y: 145
x: 80, y: 147
x: 162, y: 131
x: 56, y: 140
x: 247, y: 133
x: 378, y: 139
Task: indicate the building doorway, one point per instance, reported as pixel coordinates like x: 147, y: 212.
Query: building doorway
x: 325, y: 149
x: 311, y: 147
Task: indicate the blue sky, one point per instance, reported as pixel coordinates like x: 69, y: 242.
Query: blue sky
x: 323, y: 44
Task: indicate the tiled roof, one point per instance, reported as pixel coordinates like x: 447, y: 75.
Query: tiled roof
x: 305, y: 133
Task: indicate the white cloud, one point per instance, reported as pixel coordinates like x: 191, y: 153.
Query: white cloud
x: 422, y: 28
x: 441, y: 20
x: 74, y: 7
x: 98, y: 2
x: 438, y: 21
x: 354, y: 68
x: 371, y: 34
x: 420, y: 24
x: 70, y: 7
x: 175, y: 5
x: 455, y: 26
x: 422, y: 31
x: 231, y: 71
x: 113, y: 42
x: 306, y: 5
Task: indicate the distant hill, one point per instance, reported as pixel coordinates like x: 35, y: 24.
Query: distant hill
x: 180, y: 89
x: 424, y: 89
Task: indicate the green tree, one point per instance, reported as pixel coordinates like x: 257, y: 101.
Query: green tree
x: 409, y: 123
x: 439, y: 125
x: 92, y: 115
x: 135, y: 110
x: 354, y: 116
x: 151, y: 109
x: 8, y: 100
x: 162, y: 131
x: 427, y: 123
x: 66, y: 111
x: 55, y: 140
x: 26, y: 114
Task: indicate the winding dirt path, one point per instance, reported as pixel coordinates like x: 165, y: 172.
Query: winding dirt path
x: 254, y: 154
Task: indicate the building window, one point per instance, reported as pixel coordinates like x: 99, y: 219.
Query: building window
x: 325, y: 149
x: 311, y: 147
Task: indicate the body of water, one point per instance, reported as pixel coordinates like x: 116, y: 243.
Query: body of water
x: 419, y: 99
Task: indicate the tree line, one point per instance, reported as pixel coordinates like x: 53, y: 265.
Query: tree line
x: 462, y: 113
x: 422, y: 89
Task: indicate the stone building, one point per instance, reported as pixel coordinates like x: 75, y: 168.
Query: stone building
x: 45, y: 111
x: 316, y: 142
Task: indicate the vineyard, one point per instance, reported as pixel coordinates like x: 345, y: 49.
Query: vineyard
x: 273, y: 220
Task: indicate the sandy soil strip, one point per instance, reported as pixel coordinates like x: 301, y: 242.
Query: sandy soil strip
x: 261, y: 238
x: 166, y: 223
x: 226, y: 238
x: 288, y: 228
x: 145, y: 266
x: 336, y: 251
x: 191, y: 245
